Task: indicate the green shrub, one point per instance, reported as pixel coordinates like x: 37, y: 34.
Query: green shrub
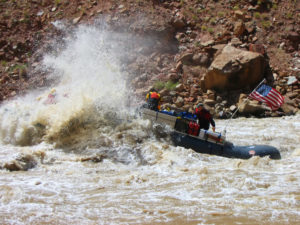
x: 289, y: 15
x: 236, y: 7
x: 195, y: 18
x: 18, y: 67
x: 57, y: 2
x: 221, y: 14
x: 3, y: 63
x: 199, y: 11
x: 266, y: 24
x: 271, y: 40
x: 170, y: 85
x: 212, y: 21
x: 159, y: 85
x: 257, y: 15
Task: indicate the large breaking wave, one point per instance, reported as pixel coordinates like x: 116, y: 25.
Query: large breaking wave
x: 87, y: 100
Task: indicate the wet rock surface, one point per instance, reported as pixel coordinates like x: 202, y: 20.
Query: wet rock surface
x: 21, y: 163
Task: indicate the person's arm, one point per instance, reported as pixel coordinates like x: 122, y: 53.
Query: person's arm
x: 159, y: 102
x: 213, y: 124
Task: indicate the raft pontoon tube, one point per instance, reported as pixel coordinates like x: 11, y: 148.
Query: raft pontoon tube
x: 206, y: 142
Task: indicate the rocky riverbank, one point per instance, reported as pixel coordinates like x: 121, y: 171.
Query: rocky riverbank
x: 209, y: 51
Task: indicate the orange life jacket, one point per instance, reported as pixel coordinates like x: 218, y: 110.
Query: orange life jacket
x: 153, y: 100
x: 154, y: 95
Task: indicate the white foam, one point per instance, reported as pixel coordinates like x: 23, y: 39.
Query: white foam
x: 141, y: 178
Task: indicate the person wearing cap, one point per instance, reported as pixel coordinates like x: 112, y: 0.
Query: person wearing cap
x: 204, y: 118
x: 153, y: 100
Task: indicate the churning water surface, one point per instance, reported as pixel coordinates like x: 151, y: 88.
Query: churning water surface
x: 94, y: 161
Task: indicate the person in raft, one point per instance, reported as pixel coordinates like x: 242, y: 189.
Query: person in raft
x: 204, y: 118
x: 153, y: 100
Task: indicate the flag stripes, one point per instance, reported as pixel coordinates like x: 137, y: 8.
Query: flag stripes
x: 268, y: 95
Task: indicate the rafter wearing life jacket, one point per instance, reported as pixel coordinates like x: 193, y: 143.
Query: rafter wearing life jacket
x: 153, y: 100
x: 204, y: 118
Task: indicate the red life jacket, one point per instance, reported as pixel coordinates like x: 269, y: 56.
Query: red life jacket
x: 193, y: 128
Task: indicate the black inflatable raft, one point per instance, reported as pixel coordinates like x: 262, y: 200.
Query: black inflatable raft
x: 227, y: 149
x: 205, y: 141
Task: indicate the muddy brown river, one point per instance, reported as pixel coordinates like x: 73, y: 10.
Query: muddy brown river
x: 93, y: 161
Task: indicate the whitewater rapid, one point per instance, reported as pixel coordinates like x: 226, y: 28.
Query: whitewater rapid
x: 95, y: 161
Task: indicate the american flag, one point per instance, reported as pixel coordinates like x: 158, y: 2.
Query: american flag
x: 268, y: 95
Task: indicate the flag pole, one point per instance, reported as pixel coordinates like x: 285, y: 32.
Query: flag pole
x: 224, y: 130
x: 258, y: 86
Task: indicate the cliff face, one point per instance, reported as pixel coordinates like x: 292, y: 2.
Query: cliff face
x: 185, y: 37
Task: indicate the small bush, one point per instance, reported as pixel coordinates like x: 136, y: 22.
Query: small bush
x: 271, y: 40
x: 212, y: 21
x: 199, y: 11
x: 257, y: 15
x: 18, y: 67
x: 170, y: 85
x: 221, y: 14
x: 289, y: 15
x: 197, y: 44
x: 236, y: 7
x: 57, y: 2
x: 159, y: 85
x: 195, y: 18
x: 266, y: 24
x: 206, y: 19
x: 204, y: 28
x: 3, y: 63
